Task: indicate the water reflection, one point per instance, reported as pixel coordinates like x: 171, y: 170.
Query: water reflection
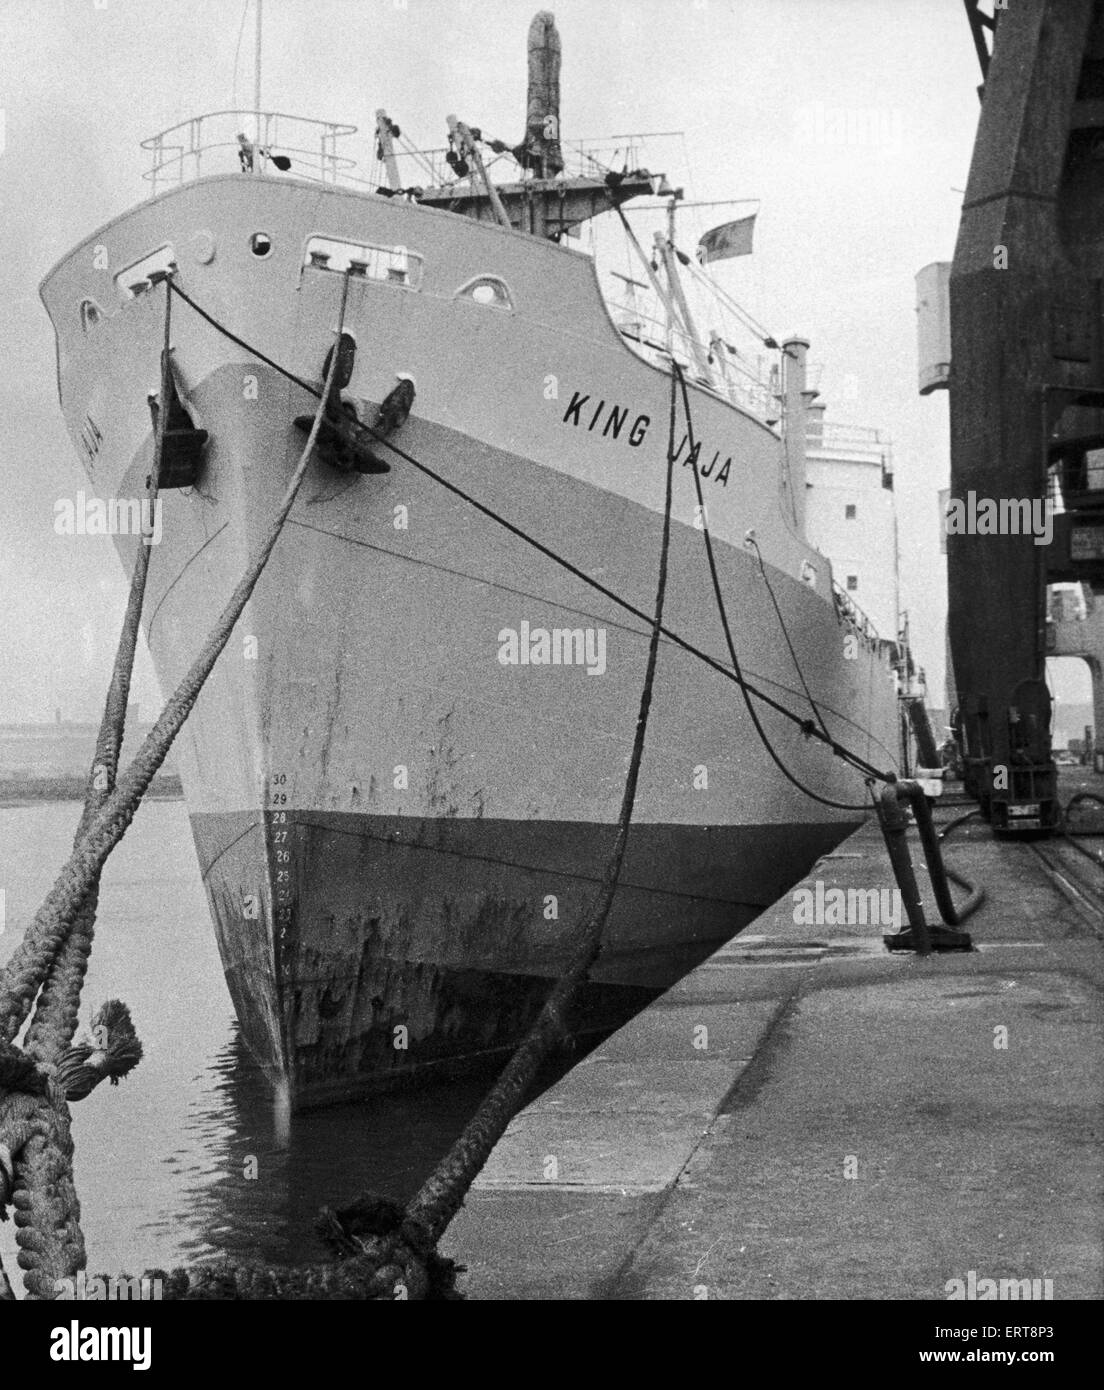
x: 259, y: 1191
x: 187, y: 1159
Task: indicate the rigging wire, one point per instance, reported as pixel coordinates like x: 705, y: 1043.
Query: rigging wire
x: 758, y: 387
x: 746, y: 318
x: 237, y: 54
x: 806, y: 726
x: 418, y: 156
x: 750, y: 540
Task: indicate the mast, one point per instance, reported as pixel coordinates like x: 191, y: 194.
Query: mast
x: 541, y: 203
x: 540, y: 149
x: 677, y: 293
x: 257, y: 66
x: 661, y: 294
x: 794, y: 352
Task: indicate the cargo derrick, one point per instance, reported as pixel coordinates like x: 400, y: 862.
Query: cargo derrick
x: 1026, y: 389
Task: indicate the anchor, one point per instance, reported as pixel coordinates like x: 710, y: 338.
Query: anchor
x: 182, y: 455
x: 341, y: 435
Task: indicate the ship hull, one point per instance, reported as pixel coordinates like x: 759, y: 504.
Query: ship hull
x: 402, y: 802
x: 421, y: 946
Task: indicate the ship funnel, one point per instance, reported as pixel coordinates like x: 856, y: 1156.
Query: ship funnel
x: 540, y: 150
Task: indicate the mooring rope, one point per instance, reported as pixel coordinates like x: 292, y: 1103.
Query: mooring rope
x: 32, y: 1124
x: 35, y: 1142
x: 55, y: 1018
x: 29, y: 963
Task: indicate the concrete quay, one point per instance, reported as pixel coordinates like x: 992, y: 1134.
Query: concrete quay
x: 807, y: 1116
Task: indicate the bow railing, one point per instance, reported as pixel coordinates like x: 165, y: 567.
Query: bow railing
x: 222, y: 142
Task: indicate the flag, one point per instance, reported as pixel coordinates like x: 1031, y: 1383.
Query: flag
x: 730, y: 239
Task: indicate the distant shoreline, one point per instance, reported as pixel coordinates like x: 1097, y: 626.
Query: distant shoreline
x: 21, y: 791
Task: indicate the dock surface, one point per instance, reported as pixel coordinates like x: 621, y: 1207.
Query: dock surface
x: 807, y: 1116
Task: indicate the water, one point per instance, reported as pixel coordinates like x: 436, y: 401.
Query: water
x: 163, y: 1160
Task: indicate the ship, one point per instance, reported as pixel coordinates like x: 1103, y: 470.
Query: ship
x: 404, y: 774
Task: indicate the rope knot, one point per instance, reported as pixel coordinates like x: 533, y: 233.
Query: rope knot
x: 113, y: 1052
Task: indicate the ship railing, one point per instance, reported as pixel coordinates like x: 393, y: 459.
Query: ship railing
x: 830, y: 437
x: 429, y: 167
x: 854, y: 434
x: 727, y: 373
x: 853, y: 615
x: 840, y: 436
x: 208, y: 144
x: 752, y: 386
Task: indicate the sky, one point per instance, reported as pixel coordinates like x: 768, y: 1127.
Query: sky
x: 762, y: 89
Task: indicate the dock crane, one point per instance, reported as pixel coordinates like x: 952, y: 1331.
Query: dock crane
x: 1026, y: 386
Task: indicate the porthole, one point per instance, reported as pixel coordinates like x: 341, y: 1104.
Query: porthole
x: 487, y: 289
x: 260, y: 243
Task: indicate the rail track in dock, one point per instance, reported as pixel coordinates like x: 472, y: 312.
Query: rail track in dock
x: 1076, y: 868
